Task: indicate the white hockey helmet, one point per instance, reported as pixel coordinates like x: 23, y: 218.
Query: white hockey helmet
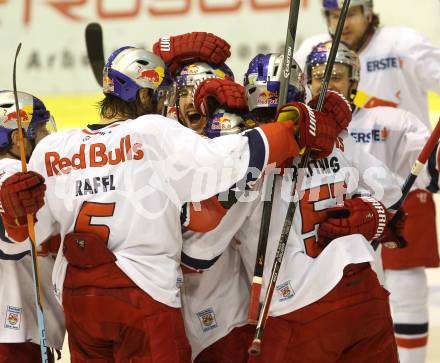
x: 32, y: 112
x: 129, y: 69
x: 191, y: 73
x: 329, y: 5
x: 262, y: 81
x: 344, y: 55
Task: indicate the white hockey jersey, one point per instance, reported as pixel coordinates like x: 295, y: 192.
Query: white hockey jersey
x: 215, y: 301
x: 127, y: 182
x: 394, y: 136
x: 398, y: 67
x: 304, y: 278
x: 17, y: 302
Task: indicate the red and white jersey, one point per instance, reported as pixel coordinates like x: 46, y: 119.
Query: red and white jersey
x: 394, y: 136
x: 126, y: 182
x: 215, y: 301
x: 303, y: 277
x: 307, y: 275
x: 17, y: 302
x: 398, y: 67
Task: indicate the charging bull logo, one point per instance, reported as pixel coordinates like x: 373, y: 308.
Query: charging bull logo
x: 190, y: 69
x: 12, y: 117
x: 13, y: 317
x: 154, y: 76
x: 221, y: 123
x: 267, y: 98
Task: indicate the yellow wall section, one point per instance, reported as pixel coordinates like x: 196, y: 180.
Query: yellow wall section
x: 73, y: 111
x: 78, y: 111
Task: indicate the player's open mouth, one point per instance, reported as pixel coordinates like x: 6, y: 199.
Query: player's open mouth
x: 193, y: 117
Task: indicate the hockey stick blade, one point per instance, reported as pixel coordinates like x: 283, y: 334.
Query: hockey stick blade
x: 95, y: 50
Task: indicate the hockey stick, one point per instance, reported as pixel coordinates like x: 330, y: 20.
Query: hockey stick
x: 417, y: 167
x: 95, y: 50
x: 31, y: 229
x: 257, y: 279
x: 255, y: 348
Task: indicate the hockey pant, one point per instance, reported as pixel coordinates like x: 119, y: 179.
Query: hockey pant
x: 110, y: 319
x: 352, y: 323
x: 22, y: 353
x: 409, y: 303
x: 232, y: 348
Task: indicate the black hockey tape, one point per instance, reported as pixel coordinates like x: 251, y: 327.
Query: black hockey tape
x: 95, y: 49
x: 341, y: 213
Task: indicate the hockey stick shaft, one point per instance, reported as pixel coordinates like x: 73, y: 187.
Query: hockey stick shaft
x: 417, y: 167
x: 256, y: 344
x: 95, y: 50
x: 31, y: 228
x: 257, y: 279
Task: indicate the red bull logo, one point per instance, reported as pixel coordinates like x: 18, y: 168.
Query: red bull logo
x: 267, y: 98
x: 190, y: 69
x: 221, y: 123
x: 154, y: 76
x: 12, y: 116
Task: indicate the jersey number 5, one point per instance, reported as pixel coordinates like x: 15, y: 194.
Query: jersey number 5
x: 87, y: 212
x: 312, y: 206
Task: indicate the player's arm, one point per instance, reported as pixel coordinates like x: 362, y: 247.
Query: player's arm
x: 424, y: 58
x: 25, y: 193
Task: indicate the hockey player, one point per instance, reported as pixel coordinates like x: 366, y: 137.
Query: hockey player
x: 398, y: 67
x: 19, y: 334
x: 398, y: 64
x: 115, y: 192
x: 396, y: 137
x: 317, y: 312
x: 194, y: 57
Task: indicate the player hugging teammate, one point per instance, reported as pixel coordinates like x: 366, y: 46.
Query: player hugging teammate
x: 156, y: 263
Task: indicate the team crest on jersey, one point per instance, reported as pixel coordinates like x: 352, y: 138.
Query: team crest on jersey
x: 207, y: 319
x: 13, y: 317
x: 285, y: 290
x: 422, y: 197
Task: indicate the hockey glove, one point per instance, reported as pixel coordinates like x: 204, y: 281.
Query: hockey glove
x: 393, y: 234
x: 180, y: 50
x: 21, y: 194
x: 213, y: 93
x: 337, y: 107
x: 314, y: 130
x: 363, y: 215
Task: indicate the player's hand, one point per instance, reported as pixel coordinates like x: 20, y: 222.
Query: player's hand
x: 314, y: 130
x: 180, y: 50
x: 393, y: 234
x: 213, y: 93
x: 337, y: 107
x: 362, y: 215
x: 22, y: 194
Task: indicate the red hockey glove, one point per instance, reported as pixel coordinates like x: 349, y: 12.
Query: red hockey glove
x: 21, y: 194
x: 315, y: 130
x: 363, y: 215
x: 188, y: 48
x: 337, y: 107
x: 393, y: 234
x: 213, y: 93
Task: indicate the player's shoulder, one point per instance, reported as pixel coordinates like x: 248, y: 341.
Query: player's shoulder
x: 310, y: 42
x: 9, y: 166
x: 150, y: 124
x: 51, y: 141
x: 401, y: 35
